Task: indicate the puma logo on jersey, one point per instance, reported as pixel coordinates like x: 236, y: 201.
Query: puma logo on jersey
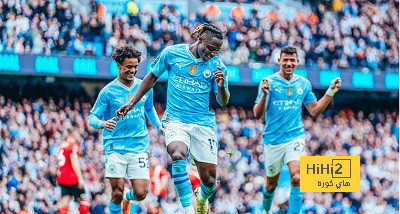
x: 120, y: 100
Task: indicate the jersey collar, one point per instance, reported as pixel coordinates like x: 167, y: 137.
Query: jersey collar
x: 283, y: 79
x: 126, y: 87
x: 192, y: 56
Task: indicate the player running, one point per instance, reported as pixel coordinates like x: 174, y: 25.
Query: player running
x: 193, y: 72
x: 70, y: 175
x: 281, y: 96
x: 126, y: 143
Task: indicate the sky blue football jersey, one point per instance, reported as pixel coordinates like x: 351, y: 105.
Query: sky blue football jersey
x: 283, y: 116
x: 130, y: 134
x: 190, y: 82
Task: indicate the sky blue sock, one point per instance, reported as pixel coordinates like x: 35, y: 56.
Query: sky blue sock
x: 114, y: 208
x: 206, y: 191
x: 295, y: 200
x: 267, y: 199
x: 130, y: 195
x: 182, y: 182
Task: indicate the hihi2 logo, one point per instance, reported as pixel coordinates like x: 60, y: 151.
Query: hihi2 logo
x: 330, y: 174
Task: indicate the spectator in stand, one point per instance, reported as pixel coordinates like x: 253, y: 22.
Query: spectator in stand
x: 345, y: 33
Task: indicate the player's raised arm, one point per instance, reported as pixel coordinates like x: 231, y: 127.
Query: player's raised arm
x: 317, y: 107
x: 260, y: 106
x: 158, y: 67
x: 222, y: 85
x: 150, y: 111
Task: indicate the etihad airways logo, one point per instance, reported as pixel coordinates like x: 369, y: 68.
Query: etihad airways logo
x: 287, y: 104
x: 189, y: 82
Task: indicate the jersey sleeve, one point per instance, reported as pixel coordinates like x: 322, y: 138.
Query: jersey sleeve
x: 225, y: 72
x: 310, y: 96
x: 98, y: 110
x: 150, y: 111
x: 161, y: 63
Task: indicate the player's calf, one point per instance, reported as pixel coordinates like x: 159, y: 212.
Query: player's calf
x: 296, y: 197
x: 268, y: 192
x: 295, y: 180
x: 116, y: 196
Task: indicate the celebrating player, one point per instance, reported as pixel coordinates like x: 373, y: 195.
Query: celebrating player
x: 281, y: 96
x: 193, y: 71
x: 126, y: 143
x: 70, y: 175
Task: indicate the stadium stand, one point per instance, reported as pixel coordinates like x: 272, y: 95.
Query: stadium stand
x: 339, y: 34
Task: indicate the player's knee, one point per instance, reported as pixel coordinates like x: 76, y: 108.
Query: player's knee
x: 296, y: 180
x: 140, y: 196
x: 117, y: 196
x: 177, y: 156
x: 271, y: 186
x: 141, y: 193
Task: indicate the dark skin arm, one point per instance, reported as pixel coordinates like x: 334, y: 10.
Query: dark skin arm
x: 317, y: 107
x: 148, y: 82
x: 223, y: 95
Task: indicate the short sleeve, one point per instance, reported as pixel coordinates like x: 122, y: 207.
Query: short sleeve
x: 160, y: 64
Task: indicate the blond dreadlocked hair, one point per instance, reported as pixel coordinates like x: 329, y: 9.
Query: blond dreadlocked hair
x: 208, y: 28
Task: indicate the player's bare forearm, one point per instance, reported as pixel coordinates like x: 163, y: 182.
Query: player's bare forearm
x: 259, y: 108
x: 223, y: 96
x: 75, y: 165
x: 148, y: 82
x: 317, y: 107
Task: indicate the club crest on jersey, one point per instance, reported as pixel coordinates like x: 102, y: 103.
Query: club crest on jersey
x: 289, y: 91
x: 207, y: 73
x: 130, y: 97
x: 193, y: 70
x: 300, y: 91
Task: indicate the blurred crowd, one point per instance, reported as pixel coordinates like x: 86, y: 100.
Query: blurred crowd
x: 31, y: 131
x: 338, y: 34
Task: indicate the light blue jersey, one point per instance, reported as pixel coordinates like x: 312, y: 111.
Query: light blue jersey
x: 190, y: 82
x: 130, y: 135
x: 283, y: 121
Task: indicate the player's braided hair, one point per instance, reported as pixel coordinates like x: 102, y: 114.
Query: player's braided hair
x: 208, y: 28
x: 125, y: 52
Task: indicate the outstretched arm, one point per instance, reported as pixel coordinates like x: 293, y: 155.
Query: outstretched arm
x: 148, y: 82
x: 158, y: 67
x: 317, y: 107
